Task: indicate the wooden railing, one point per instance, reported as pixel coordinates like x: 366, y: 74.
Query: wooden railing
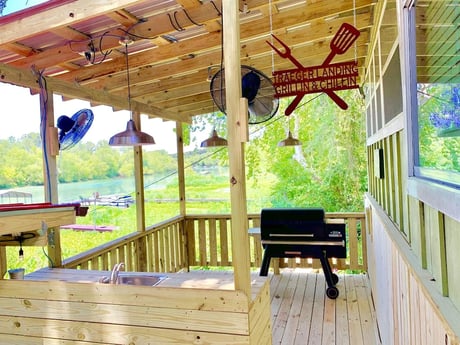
x: 161, y: 248
x: 209, y: 242
x: 205, y: 241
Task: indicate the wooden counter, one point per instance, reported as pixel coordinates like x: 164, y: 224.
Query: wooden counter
x: 199, y: 307
x: 216, y: 280
x: 24, y: 220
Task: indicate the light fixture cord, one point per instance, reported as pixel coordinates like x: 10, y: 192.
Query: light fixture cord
x: 271, y: 34
x: 129, y: 83
x: 354, y: 24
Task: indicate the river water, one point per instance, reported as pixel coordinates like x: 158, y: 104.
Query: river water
x: 74, y: 192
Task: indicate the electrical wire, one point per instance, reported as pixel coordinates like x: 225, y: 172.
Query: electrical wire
x: 48, y: 257
x: 177, y: 28
x: 191, y: 20
x: 215, y: 7
x: 271, y: 34
x: 215, y: 152
x: 354, y: 24
x: 21, y: 238
x: 44, y: 125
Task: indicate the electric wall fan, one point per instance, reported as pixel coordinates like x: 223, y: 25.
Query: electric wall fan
x: 73, y: 129
x: 256, y: 87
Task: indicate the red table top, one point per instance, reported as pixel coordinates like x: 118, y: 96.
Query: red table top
x: 41, y: 205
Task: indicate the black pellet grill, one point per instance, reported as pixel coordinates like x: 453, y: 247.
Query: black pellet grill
x: 302, y: 233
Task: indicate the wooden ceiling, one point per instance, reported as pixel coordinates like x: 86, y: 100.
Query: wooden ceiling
x: 77, y: 46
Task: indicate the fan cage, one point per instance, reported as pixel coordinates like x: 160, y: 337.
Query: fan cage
x: 261, y: 109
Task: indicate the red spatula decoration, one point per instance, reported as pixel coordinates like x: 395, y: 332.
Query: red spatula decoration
x: 343, y: 39
x: 324, y: 78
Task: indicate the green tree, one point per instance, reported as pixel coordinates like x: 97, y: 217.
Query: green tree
x: 328, y: 170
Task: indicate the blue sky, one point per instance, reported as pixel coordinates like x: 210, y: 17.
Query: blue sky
x: 16, y: 5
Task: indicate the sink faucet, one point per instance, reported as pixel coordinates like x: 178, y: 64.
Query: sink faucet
x: 116, y: 269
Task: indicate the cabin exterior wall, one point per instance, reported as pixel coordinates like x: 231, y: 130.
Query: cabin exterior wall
x: 413, y: 222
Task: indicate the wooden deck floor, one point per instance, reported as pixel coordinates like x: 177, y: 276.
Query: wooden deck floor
x: 302, y: 314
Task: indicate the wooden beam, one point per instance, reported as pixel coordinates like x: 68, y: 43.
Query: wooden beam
x: 189, y: 3
x: 240, y: 237
x: 211, y: 44
x: 67, y: 14
x: 16, y: 76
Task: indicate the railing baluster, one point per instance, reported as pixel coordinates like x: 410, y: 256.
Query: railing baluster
x: 223, y: 242
x: 202, y: 242
x: 353, y: 243
x: 191, y: 243
x: 212, y: 242
x: 208, y: 243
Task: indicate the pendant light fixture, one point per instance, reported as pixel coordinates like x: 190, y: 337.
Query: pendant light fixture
x: 290, y: 140
x: 214, y: 140
x: 131, y: 136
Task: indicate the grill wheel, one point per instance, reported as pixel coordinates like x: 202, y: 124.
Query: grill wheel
x: 332, y: 292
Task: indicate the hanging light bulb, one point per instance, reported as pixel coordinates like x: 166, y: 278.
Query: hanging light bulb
x: 131, y: 136
x: 214, y: 140
x: 20, y: 239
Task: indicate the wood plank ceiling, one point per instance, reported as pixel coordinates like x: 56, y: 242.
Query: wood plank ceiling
x: 176, y: 47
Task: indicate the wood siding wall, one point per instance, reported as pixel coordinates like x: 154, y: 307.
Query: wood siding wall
x: 413, y: 244
x: 410, y: 309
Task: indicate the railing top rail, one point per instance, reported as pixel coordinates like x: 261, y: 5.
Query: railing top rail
x: 257, y: 215
x: 119, y: 241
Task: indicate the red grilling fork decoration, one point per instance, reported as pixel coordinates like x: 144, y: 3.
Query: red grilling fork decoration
x: 341, y: 42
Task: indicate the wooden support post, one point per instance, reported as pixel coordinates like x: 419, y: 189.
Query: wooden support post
x: 240, y: 237
x: 50, y: 174
x: 3, y: 263
x: 181, y: 179
x: 140, y: 199
x: 181, y: 167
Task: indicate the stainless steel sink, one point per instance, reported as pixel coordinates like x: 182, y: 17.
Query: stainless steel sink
x: 145, y: 279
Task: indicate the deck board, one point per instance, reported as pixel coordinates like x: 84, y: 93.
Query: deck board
x: 302, y: 314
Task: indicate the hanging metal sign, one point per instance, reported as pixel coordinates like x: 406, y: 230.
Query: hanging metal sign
x: 326, y: 77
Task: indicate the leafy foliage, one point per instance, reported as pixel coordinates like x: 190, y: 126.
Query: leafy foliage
x: 21, y: 162
x: 438, y: 110
x: 328, y: 170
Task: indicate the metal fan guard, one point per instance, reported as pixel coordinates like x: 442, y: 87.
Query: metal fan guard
x: 78, y: 131
x: 217, y: 90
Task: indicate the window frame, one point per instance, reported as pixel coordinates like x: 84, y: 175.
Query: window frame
x: 438, y: 188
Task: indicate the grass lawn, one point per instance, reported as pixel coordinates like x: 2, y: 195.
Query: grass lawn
x: 207, y: 194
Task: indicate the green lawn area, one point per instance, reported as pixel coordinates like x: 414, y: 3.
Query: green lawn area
x: 207, y: 194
